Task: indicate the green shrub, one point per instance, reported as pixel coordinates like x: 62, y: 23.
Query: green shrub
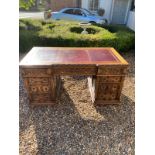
x: 68, y: 34
x: 116, y: 28
x: 22, y: 26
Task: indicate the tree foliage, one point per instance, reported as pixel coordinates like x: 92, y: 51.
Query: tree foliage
x: 26, y: 4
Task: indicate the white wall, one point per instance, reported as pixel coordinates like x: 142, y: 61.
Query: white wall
x: 106, y: 4
x: 131, y: 20
x: 84, y: 4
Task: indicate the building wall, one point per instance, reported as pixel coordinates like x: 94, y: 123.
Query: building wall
x: 106, y: 4
x: 84, y: 4
x: 120, y: 11
x: 57, y: 5
x: 131, y: 20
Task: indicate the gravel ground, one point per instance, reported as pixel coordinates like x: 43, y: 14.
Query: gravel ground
x: 74, y: 126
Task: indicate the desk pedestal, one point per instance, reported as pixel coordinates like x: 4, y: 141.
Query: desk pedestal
x: 106, y: 86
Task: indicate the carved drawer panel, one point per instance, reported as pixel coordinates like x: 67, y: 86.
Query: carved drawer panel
x: 41, y: 98
x: 42, y: 85
x: 106, y: 79
x: 108, y: 88
x: 75, y: 70
x: 112, y: 70
x: 39, y: 89
x: 108, y: 91
x: 36, y: 72
x: 39, y: 81
x: 108, y: 97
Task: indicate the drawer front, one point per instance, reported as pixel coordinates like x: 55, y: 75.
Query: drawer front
x: 75, y: 70
x: 110, y: 79
x: 40, y: 89
x: 34, y: 72
x: 108, y: 91
x: 42, y: 85
x: 39, y: 81
x: 41, y: 98
x: 39, y: 85
x: 112, y: 70
x: 107, y: 97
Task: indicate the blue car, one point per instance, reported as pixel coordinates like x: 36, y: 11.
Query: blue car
x: 77, y: 14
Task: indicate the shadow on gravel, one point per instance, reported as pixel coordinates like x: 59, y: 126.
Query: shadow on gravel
x: 130, y: 57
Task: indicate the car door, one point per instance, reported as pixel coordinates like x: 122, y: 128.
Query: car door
x: 67, y: 14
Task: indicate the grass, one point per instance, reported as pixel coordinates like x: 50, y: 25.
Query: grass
x: 68, y: 34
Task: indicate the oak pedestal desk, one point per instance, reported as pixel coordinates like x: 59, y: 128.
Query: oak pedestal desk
x: 42, y: 67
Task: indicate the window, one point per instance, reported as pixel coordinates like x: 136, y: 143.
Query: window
x: 69, y: 11
x: 93, y: 5
x: 78, y: 12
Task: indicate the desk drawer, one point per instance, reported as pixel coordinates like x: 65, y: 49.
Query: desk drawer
x: 110, y: 79
x: 40, y: 89
x: 36, y: 72
x: 108, y: 91
x: 41, y: 98
x: 112, y: 70
x: 39, y: 81
x: 41, y: 85
x: 75, y: 70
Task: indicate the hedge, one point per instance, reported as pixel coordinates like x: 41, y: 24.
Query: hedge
x: 68, y: 34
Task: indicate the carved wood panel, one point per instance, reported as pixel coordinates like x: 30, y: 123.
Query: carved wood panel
x: 41, y: 98
x: 107, y: 79
x: 109, y: 83
x: 39, y: 85
x: 39, y: 80
x: 108, y: 91
x: 41, y: 89
x: 112, y: 70
x: 36, y: 72
x: 75, y: 70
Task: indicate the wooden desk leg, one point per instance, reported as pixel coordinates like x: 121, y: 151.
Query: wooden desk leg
x: 42, y: 90
x: 108, y: 89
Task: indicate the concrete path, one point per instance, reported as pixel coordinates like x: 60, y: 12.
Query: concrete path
x: 23, y: 14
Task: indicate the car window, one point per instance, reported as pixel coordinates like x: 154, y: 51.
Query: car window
x: 88, y: 12
x: 69, y: 11
x: 78, y: 12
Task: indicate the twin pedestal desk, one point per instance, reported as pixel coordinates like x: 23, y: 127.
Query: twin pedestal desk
x: 42, y: 67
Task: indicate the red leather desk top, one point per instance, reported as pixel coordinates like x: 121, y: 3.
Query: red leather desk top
x: 39, y: 56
